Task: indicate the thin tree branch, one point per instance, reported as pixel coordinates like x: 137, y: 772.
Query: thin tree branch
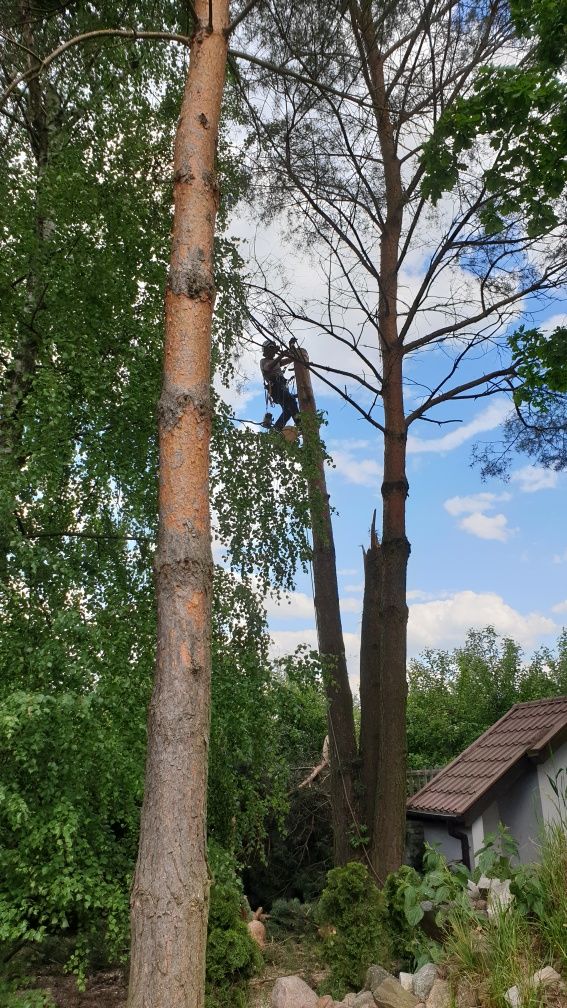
x: 129, y: 33
x: 240, y: 17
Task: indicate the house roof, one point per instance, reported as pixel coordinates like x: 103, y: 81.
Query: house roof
x: 527, y: 730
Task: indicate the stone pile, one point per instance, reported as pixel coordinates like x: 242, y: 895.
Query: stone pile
x: 423, y: 989
x: 381, y: 990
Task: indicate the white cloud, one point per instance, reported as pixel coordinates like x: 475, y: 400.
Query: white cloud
x: 487, y: 526
x: 560, y: 558
x: 444, y: 623
x: 292, y: 605
x: 479, y: 502
x: 299, y: 606
x: 532, y: 478
x: 362, y: 472
x: 561, y: 607
x: 286, y: 641
x: 487, y: 419
x: 553, y: 323
x: 416, y: 595
x: 476, y: 522
x: 439, y: 623
x: 351, y: 605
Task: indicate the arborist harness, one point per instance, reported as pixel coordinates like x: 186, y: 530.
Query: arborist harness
x: 270, y: 384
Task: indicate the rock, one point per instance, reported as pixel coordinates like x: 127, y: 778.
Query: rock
x: 325, y: 1002
x: 364, y: 1000
x: 406, y: 980
x: 548, y: 977
x: 348, y: 1001
x: 423, y: 981
x: 391, y: 994
x: 483, y: 883
x: 374, y: 977
x: 512, y: 996
x: 439, y: 995
x: 257, y: 932
x: 499, y: 897
x: 473, y: 890
x: 292, y: 992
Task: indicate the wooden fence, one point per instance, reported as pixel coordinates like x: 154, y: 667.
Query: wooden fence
x: 417, y: 779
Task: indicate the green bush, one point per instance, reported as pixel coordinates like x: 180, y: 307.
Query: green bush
x: 405, y: 891
x: 395, y: 888
x: 291, y: 917
x: 352, y: 913
x: 14, y: 993
x: 232, y: 955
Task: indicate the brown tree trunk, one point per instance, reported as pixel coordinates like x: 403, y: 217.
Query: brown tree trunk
x: 342, y: 739
x: 370, y: 698
x: 170, y: 891
x: 388, y: 829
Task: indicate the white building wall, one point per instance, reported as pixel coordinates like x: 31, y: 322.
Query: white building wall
x: 521, y: 812
x: 436, y: 833
x: 481, y: 827
x: 554, y: 766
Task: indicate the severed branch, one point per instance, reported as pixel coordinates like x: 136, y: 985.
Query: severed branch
x: 318, y: 769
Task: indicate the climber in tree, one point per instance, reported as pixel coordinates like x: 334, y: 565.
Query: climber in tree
x: 276, y: 386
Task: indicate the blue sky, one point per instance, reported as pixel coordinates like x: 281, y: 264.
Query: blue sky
x: 482, y: 553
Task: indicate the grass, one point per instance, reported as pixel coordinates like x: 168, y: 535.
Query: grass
x: 284, y: 957
x: 490, y: 955
x: 552, y: 926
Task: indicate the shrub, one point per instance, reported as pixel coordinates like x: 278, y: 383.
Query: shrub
x: 352, y: 911
x: 405, y: 891
x: 491, y: 954
x: 291, y: 917
x: 232, y: 955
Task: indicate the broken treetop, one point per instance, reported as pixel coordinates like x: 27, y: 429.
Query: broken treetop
x: 529, y: 731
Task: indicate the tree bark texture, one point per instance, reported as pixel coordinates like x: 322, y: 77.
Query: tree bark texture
x: 342, y: 741
x: 370, y: 698
x: 388, y: 828
x: 170, y: 891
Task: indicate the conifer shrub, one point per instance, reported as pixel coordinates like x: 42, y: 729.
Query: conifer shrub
x: 232, y: 955
x: 351, y: 915
x: 291, y: 917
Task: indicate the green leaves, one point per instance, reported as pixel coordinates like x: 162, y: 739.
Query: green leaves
x: 521, y: 112
x: 541, y: 365
x: 353, y: 910
x: 455, y: 696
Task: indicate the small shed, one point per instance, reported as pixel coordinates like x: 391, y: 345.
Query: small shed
x: 503, y: 777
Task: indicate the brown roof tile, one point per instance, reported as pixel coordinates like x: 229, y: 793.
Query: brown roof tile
x: 526, y: 729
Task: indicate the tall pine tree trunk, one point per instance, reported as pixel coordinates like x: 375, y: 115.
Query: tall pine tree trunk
x: 370, y: 697
x: 170, y: 891
x: 388, y: 828
x: 342, y: 740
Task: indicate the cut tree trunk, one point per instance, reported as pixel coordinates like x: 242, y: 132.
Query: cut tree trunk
x: 388, y: 830
x: 370, y: 700
x: 170, y: 890
x: 342, y: 740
